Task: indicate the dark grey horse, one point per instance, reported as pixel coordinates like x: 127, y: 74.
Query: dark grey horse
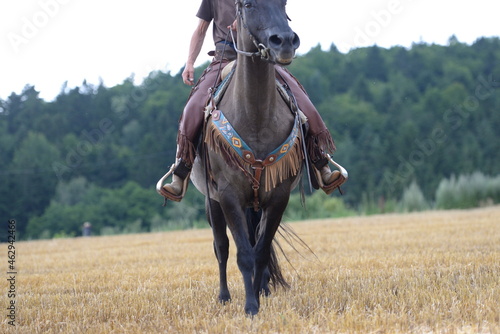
x: 249, y: 193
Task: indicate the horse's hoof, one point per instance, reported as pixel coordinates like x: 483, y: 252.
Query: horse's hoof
x: 224, y: 298
x: 251, y: 310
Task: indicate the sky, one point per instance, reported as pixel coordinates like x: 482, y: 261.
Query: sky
x: 46, y: 43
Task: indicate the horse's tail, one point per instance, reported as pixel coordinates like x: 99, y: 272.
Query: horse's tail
x: 274, y: 269
x: 275, y: 274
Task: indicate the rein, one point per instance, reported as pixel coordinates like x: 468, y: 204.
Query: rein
x: 263, y: 50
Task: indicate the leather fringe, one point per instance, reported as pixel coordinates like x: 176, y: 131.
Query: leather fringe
x: 186, y: 149
x: 285, y: 168
x: 272, y: 175
x: 320, y: 144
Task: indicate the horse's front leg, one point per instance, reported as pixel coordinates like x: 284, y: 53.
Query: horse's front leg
x: 264, y: 286
x: 221, y: 245
x: 269, y: 224
x: 261, y: 271
x: 255, y: 218
x: 245, y: 257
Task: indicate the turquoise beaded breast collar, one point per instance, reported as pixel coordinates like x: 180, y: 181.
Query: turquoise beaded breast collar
x: 243, y: 150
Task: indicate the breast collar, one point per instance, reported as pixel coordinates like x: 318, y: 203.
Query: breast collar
x: 274, y: 167
x: 243, y: 150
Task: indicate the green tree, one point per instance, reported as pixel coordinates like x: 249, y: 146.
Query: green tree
x: 398, y: 114
x: 33, y: 181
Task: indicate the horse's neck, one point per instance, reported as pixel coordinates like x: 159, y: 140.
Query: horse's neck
x: 255, y: 90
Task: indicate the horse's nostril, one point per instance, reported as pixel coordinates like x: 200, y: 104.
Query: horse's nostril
x: 296, y: 41
x: 289, y: 39
x: 275, y: 40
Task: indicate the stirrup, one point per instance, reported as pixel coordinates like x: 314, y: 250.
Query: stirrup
x: 329, y: 188
x: 166, y: 194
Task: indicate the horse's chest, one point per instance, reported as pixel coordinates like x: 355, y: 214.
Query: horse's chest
x: 261, y: 149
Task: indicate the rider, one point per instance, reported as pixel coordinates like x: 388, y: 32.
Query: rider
x: 222, y: 13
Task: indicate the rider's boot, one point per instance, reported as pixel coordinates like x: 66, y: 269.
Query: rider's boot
x: 328, y: 180
x: 328, y: 176
x: 176, y: 190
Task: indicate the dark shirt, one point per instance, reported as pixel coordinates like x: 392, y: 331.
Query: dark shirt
x: 223, y: 14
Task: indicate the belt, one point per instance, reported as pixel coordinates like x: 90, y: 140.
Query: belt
x: 223, y: 51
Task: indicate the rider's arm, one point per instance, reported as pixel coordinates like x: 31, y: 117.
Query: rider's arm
x: 194, y: 50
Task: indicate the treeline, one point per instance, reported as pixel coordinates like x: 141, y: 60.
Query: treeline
x: 402, y: 119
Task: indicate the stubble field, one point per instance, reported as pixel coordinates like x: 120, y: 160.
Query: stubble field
x: 428, y: 272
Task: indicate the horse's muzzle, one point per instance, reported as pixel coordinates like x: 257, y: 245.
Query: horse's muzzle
x: 283, y: 46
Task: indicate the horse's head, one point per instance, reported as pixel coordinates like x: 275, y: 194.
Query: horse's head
x: 263, y: 25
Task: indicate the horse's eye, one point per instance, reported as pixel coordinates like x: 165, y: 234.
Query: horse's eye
x: 247, y: 4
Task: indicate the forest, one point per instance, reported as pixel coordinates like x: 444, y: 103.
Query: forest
x: 417, y: 128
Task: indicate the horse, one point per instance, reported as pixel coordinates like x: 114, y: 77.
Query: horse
x: 252, y: 153
x: 249, y: 192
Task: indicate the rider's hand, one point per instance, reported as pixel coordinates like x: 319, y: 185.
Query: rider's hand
x: 234, y: 25
x: 188, y: 75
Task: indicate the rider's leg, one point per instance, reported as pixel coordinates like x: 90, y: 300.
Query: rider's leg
x: 189, y: 130
x: 319, y: 141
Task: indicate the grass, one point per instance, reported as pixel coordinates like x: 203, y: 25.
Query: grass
x: 427, y: 272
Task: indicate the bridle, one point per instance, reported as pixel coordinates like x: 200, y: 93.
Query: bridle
x: 263, y: 51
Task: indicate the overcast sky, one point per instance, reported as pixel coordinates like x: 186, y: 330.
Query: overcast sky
x: 47, y: 42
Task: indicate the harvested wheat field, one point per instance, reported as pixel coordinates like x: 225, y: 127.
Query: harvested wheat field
x: 431, y: 272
